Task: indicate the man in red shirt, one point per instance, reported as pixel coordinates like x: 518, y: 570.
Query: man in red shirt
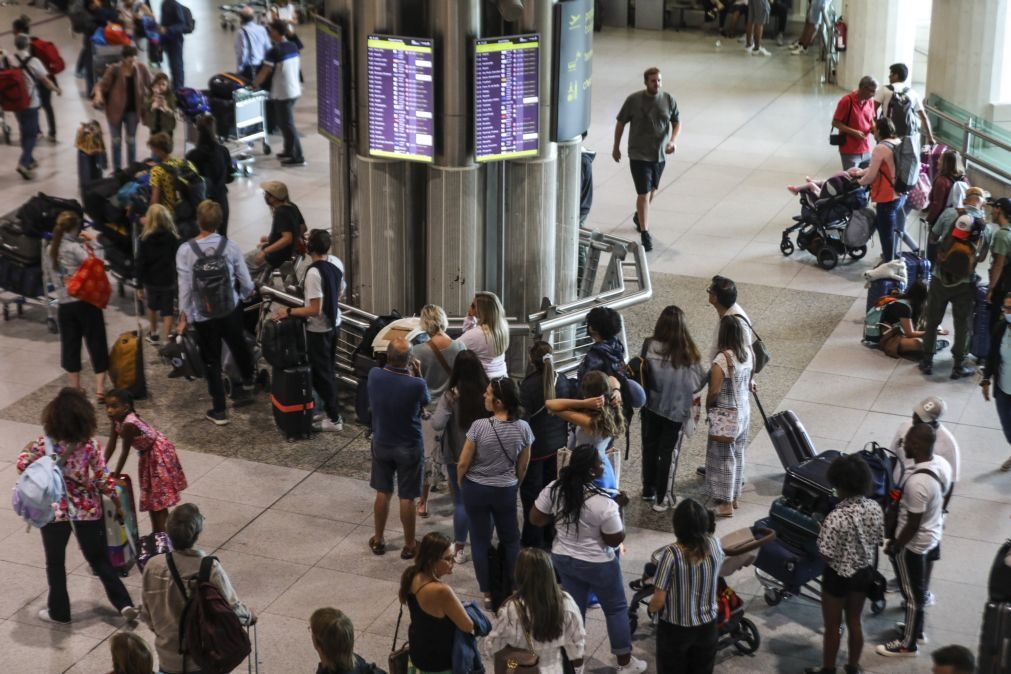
x: 854, y: 119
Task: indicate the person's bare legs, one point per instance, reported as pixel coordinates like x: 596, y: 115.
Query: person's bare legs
x: 408, y: 515
x: 855, y: 635
x: 159, y: 520
x: 423, y: 500
x: 166, y: 328
x: 756, y: 36
x: 380, y: 513
x: 831, y: 613
x: 642, y: 210
x: 749, y: 29
x: 74, y: 379
x: 807, y: 35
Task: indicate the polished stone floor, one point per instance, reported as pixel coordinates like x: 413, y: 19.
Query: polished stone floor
x: 293, y: 537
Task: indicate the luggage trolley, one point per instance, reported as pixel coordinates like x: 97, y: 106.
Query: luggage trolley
x: 29, y: 284
x: 239, y: 127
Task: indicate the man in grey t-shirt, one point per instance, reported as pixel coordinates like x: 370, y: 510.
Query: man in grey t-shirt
x: 655, y: 125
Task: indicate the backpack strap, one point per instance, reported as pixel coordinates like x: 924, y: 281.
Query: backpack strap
x: 196, y: 248
x: 221, y: 247
x: 206, y: 565
x: 179, y: 583
x: 24, y: 66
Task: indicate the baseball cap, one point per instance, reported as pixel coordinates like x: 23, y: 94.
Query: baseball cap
x: 276, y: 189
x: 963, y: 228
x: 1004, y: 204
x: 930, y: 409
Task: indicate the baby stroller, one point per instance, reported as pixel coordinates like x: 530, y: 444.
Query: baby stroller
x: 741, y: 550
x: 826, y: 212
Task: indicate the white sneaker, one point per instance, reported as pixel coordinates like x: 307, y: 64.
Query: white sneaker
x: 661, y: 506
x: 742, y: 39
x: 327, y: 426
x: 747, y: 47
x: 634, y: 666
x: 45, y: 617
x: 761, y: 51
x: 461, y: 556
x: 798, y: 50
x: 779, y: 40
x: 130, y: 613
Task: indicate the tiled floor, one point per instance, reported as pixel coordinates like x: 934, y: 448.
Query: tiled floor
x: 294, y: 540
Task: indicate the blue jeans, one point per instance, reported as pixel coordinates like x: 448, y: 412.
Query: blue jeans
x: 1003, y: 402
x: 284, y: 111
x: 885, y: 221
x: 28, y: 126
x: 604, y: 579
x: 461, y: 525
x: 491, y: 508
x: 116, y: 135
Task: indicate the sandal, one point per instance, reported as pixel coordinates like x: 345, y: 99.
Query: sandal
x: 377, y: 547
x: 1006, y: 466
x: 409, y: 552
x: 736, y: 506
x: 423, y: 511
x: 725, y: 509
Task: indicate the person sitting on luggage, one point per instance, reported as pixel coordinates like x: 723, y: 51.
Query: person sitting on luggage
x: 1000, y: 352
x: 212, y: 330
x: 213, y: 161
x: 286, y: 230
x: 69, y: 426
x: 333, y: 637
x: 130, y: 654
x: 848, y: 542
x: 122, y: 90
x: 163, y: 604
x: 953, y: 659
x: 323, y: 285
x: 155, y: 267
x: 685, y: 594
x: 899, y: 337
x: 160, y: 474
x: 159, y: 113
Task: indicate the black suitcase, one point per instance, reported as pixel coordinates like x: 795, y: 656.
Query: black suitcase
x: 995, y: 639
x: 999, y: 586
x: 790, y: 566
x: 980, y: 344
x: 792, y: 443
x: 223, y: 111
x: 806, y: 485
x: 223, y: 84
x: 291, y: 398
x: 17, y: 244
x: 285, y: 343
x: 796, y: 527
x: 25, y: 280
x: 117, y: 260
x: 38, y: 214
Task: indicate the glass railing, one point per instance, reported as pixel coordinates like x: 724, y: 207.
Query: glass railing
x: 981, y: 142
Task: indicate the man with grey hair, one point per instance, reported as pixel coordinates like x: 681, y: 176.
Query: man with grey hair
x: 854, y: 120
x: 397, y: 397
x: 36, y: 77
x: 251, y: 43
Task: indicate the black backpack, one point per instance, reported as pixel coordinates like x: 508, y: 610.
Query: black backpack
x: 900, y: 111
x: 190, y: 189
x: 189, y: 24
x: 212, y: 281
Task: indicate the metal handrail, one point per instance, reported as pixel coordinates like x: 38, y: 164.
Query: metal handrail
x: 969, y: 131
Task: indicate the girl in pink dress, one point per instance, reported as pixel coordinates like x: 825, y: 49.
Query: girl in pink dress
x: 161, y: 475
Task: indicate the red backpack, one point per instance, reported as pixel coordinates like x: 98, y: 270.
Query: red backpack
x: 210, y: 633
x: 47, y: 52
x: 14, y: 95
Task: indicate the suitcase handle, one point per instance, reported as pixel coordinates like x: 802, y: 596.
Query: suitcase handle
x: 761, y: 409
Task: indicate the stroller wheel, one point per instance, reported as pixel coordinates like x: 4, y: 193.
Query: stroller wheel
x: 857, y: 253
x: 827, y: 258
x: 773, y: 596
x: 878, y: 606
x: 786, y: 246
x: 746, y: 637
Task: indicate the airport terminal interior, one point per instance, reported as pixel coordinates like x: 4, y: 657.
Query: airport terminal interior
x: 291, y: 521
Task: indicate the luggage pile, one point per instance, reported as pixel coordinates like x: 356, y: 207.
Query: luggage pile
x: 995, y: 637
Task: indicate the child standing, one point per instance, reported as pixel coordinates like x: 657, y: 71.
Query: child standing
x: 160, y: 106
x: 156, y: 270
x: 161, y: 474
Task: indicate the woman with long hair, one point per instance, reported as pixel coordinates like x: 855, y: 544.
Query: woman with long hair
x: 333, y: 637
x: 685, y: 596
x: 156, y: 270
x: 491, y: 466
x: 674, y: 376
x: 214, y: 163
x: 78, y: 320
x: 541, y: 385
x: 880, y: 175
x: 950, y: 170
x: 130, y: 654
x: 436, y: 612
x: 729, y: 388
x: 460, y: 406
x: 540, y: 616
x: 899, y: 318
x: 486, y: 333
x: 588, y: 527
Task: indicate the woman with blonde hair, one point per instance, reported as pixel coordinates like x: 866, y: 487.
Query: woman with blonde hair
x: 333, y: 637
x: 156, y: 269
x: 130, y: 654
x: 436, y: 357
x: 486, y: 333
x: 540, y: 616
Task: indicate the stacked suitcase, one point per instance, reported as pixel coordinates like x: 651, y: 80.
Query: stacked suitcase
x: 995, y: 638
x: 22, y: 273
x: 285, y: 347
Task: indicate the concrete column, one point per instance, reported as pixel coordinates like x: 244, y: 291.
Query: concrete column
x: 965, y: 62
x: 454, y: 246
x: 567, y: 221
x: 880, y: 33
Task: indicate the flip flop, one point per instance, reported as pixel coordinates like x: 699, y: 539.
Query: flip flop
x: 409, y: 552
x: 1006, y: 466
x: 423, y: 513
x: 377, y: 547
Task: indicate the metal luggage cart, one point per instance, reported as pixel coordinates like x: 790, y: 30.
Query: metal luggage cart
x: 47, y: 299
x: 250, y: 108
x: 103, y: 56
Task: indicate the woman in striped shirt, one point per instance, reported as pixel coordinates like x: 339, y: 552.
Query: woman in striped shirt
x: 685, y: 594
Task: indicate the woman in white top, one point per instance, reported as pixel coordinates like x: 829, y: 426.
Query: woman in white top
x: 540, y: 616
x: 486, y: 333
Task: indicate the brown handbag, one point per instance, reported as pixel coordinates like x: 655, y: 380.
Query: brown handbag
x: 512, y: 660
x: 399, y: 657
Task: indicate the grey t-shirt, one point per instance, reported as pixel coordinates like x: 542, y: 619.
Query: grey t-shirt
x: 497, y: 447
x: 649, y: 119
x: 434, y: 373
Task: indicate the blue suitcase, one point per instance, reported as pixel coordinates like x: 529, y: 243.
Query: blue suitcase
x: 806, y: 485
x: 980, y: 344
x: 795, y: 527
x: 917, y: 268
x: 880, y: 288
x: 788, y: 565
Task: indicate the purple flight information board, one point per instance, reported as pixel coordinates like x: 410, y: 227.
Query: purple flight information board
x: 506, y: 100
x: 329, y: 82
x: 401, y: 124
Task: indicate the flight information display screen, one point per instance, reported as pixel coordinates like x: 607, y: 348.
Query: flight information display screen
x: 401, y: 99
x: 506, y: 99
x: 329, y: 80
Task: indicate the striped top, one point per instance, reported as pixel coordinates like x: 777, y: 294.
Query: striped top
x: 497, y: 447
x: 690, y: 588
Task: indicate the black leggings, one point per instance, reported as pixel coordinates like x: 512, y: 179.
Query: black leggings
x: 659, y: 445
x: 687, y: 650
x: 322, y: 360
x: 79, y: 320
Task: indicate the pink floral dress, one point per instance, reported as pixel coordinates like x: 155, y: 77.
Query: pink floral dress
x: 161, y: 475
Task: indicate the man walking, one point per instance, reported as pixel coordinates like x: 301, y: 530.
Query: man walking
x: 900, y: 103
x: 174, y: 25
x: 251, y: 44
x: 854, y: 119
x: 655, y: 125
x: 999, y: 284
x: 36, y: 78
x: 397, y: 397
x: 281, y: 65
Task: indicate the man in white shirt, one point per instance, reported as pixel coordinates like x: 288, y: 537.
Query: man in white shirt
x: 928, y: 411
x: 251, y: 44
x: 917, y: 533
x: 35, y: 76
x: 898, y: 73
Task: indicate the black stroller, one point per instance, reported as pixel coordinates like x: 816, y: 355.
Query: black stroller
x: 741, y: 550
x: 823, y: 219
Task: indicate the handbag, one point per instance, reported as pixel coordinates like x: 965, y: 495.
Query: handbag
x: 512, y: 660
x: 838, y: 139
x: 90, y: 283
x: 399, y: 657
x: 758, y: 348
x: 723, y: 422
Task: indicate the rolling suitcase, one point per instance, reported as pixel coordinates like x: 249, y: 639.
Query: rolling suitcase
x: 291, y: 398
x: 980, y: 344
x: 999, y: 585
x: 126, y: 364
x: 995, y: 639
x: 788, y: 565
x: 285, y: 343
x: 788, y: 436
x: 223, y: 84
x: 796, y: 527
x: 17, y: 244
x: 806, y: 485
x: 121, y: 537
x: 880, y: 288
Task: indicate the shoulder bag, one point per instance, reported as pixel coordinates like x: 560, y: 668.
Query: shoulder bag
x: 838, y: 139
x: 723, y: 422
x: 439, y: 357
x: 90, y: 283
x: 399, y: 657
x: 512, y: 660
x: 762, y: 356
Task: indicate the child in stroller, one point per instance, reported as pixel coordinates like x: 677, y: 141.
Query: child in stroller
x: 741, y: 549
x: 826, y: 210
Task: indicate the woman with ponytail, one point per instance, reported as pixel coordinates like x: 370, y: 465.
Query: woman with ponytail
x: 78, y: 320
x: 588, y: 527
x: 436, y: 612
x: 685, y: 595
x: 541, y: 385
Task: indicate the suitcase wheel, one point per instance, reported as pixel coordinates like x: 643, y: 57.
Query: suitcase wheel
x: 746, y: 637
x: 773, y: 596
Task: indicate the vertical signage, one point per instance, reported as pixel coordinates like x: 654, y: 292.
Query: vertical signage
x: 570, y: 110
x: 329, y: 80
x: 401, y: 124
x: 506, y: 97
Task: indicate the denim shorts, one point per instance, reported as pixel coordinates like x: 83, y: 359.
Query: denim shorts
x: 405, y: 464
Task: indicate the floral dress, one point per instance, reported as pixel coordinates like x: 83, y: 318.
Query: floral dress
x: 85, y: 474
x: 161, y: 475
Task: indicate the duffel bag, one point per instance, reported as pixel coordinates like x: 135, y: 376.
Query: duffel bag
x: 38, y: 214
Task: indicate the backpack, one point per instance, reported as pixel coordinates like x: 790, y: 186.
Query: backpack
x: 919, y: 196
x: 190, y: 189
x: 900, y: 111
x: 14, y: 94
x: 212, y: 281
x: 46, y: 52
x: 859, y: 229
x: 957, y: 257
x: 39, y: 487
x: 189, y: 24
x: 210, y: 633
x: 907, y: 165
x: 81, y: 20
x: 873, y: 328
x: 957, y: 194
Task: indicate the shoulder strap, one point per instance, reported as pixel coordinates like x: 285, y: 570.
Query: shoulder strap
x: 927, y: 471
x: 176, y: 577
x: 221, y: 247
x: 491, y: 422
x: 24, y: 66
x: 196, y: 248
x: 206, y: 565
x: 750, y: 326
x: 439, y: 357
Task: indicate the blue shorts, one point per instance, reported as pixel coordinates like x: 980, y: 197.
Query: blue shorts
x: 407, y: 464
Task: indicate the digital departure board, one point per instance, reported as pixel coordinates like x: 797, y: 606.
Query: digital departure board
x: 401, y: 124
x: 506, y: 100
x: 329, y: 80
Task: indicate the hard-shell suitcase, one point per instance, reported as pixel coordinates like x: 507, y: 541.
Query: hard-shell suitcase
x: 21, y: 279
x: 788, y: 436
x: 152, y: 545
x: 223, y: 111
x: 285, y: 343
x: 917, y: 268
x: 788, y: 565
x: 121, y: 536
x: 223, y: 84
x: 291, y: 398
x: 17, y: 244
x: 126, y: 364
x: 980, y: 344
x: 806, y: 485
x: 995, y: 639
x: 879, y: 288
x: 796, y: 527
x: 999, y: 585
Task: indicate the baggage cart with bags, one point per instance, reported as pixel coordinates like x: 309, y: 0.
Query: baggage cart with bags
x: 788, y: 435
x: 26, y: 273
x: 241, y: 119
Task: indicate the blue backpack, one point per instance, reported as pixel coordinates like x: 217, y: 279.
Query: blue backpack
x: 39, y: 487
x: 192, y: 103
